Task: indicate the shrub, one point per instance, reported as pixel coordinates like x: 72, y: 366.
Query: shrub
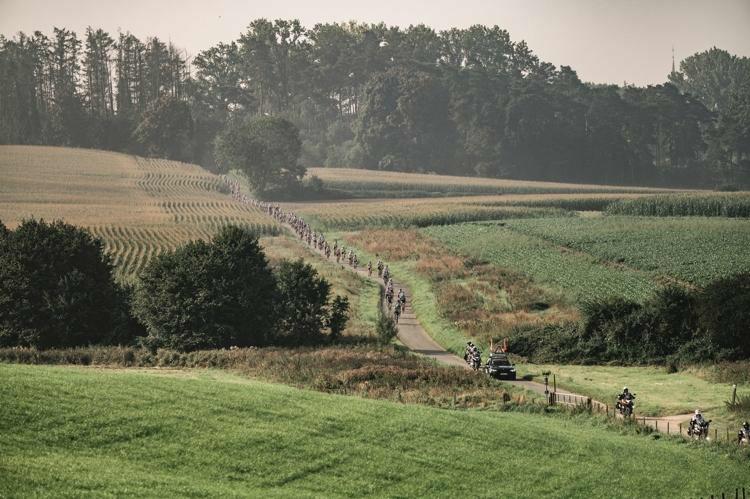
x: 301, y: 303
x: 208, y: 295
x: 723, y: 313
x: 56, y: 287
x: 338, y: 316
x: 386, y: 329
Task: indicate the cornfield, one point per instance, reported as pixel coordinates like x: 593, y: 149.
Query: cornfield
x: 735, y: 205
x: 139, y: 207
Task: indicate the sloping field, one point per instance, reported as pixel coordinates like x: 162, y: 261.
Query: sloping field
x: 96, y: 432
x: 423, y: 212
x: 696, y: 250
x: 140, y: 207
x: 375, y: 183
x: 608, y: 256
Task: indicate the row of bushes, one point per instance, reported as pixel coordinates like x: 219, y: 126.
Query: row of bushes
x: 675, y: 326
x: 382, y: 372
x: 57, y: 290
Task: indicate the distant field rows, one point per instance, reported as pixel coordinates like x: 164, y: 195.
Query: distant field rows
x: 139, y: 207
x: 424, y: 212
x: 371, y: 183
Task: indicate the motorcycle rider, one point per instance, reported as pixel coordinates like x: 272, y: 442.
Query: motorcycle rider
x: 468, y: 350
x: 744, y: 433
x: 696, y: 422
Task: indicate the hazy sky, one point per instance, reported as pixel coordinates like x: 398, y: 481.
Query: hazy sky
x: 604, y: 40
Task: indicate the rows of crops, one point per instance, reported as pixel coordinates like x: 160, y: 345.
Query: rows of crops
x: 402, y: 216
x: 692, y: 249
x: 580, y: 275
x: 140, y: 207
x: 681, y: 205
x: 373, y: 183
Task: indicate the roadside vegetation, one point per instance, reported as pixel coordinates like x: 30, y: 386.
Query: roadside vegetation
x: 367, y: 370
x: 57, y: 289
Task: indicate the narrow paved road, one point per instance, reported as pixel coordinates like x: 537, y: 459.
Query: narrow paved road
x: 413, y: 336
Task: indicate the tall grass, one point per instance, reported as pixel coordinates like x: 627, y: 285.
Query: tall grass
x: 735, y: 205
x: 381, y: 372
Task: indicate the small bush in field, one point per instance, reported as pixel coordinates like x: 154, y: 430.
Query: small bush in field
x: 386, y: 329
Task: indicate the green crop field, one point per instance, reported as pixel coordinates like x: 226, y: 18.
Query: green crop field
x: 578, y: 274
x: 71, y: 432
x: 693, y: 249
x: 139, y: 207
x: 600, y: 256
x: 424, y: 212
x: 673, y: 205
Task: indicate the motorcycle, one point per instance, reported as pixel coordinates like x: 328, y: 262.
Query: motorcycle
x: 626, y: 406
x: 699, y: 431
x: 475, y: 362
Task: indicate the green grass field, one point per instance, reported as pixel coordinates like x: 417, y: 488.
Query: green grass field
x: 93, y: 432
x: 659, y: 393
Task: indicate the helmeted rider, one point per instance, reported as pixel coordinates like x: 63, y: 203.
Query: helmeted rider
x: 697, y: 421
x: 744, y: 432
x: 468, y: 350
x: 625, y: 395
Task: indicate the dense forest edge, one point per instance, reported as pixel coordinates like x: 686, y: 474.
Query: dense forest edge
x: 460, y: 102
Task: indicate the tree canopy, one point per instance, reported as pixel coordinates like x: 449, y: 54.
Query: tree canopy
x: 457, y: 101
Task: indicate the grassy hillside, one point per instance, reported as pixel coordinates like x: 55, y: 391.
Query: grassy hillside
x: 139, y: 207
x: 88, y: 432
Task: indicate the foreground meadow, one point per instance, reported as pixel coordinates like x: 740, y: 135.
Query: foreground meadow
x: 93, y: 432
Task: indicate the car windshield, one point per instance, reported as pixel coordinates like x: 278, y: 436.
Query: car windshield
x: 502, y: 361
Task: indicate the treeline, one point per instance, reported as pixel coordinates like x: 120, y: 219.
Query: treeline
x: 460, y: 101
x: 675, y: 326
x: 57, y: 291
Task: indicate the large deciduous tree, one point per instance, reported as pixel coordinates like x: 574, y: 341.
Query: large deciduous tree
x: 208, y: 295
x: 56, y: 287
x: 266, y: 149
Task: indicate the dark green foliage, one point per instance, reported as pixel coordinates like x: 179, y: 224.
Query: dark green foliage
x: 676, y: 325
x: 404, y: 124
x: 166, y: 129
x: 266, y: 149
x: 338, y: 316
x: 459, y: 101
x: 208, y: 295
x: 56, y: 288
x: 723, y: 314
x: 302, y: 297
x: 386, y: 329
